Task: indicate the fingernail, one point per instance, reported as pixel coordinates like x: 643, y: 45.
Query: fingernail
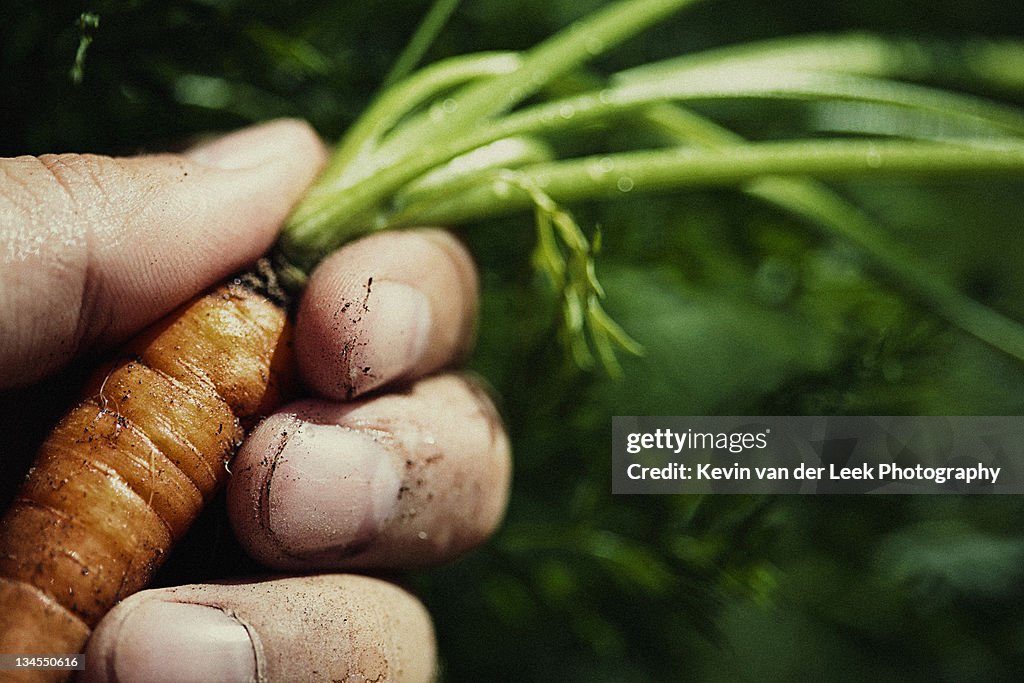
x: 174, y: 641
x: 397, y: 319
x: 331, y: 491
x: 249, y: 147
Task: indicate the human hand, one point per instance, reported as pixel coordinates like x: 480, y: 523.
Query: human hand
x: 94, y: 248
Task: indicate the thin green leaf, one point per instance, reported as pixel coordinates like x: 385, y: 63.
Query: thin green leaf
x: 995, y: 63
x: 425, y: 35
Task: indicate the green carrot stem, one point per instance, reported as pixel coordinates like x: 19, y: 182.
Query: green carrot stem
x: 613, y: 175
x: 320, y: 223
x: 395, y: 103
x: 821, y: 206
x: 327, y: 219
x: 421, y: 41
x: 746, y: 81
x: 393, y: 167
x: 556, y: 56
x: 988, y: 63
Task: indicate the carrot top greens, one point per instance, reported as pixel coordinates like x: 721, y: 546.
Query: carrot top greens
x: 452, y: 143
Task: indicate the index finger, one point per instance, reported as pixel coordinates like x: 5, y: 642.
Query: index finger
x: 392, y: 306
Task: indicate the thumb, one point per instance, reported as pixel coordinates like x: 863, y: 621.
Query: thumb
x: 339, y: 627
x: 93, y: 248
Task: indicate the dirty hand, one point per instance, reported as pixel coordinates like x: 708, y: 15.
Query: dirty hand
x: 393, y: 463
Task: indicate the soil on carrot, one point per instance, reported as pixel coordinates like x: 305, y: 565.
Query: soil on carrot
x: 262, y: 279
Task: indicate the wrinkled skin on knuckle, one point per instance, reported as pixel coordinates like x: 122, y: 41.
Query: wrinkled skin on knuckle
x: 45, y: 208
x: 62, y: 216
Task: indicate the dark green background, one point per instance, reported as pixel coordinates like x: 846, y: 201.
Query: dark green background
x: 742, y: 310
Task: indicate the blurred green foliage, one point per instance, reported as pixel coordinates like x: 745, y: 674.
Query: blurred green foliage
x: 742, y: 310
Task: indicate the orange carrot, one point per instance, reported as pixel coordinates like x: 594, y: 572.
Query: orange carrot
x: 126, y: 472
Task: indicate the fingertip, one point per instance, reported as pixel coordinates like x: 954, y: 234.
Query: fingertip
x: 247, y: 182
x: 463, y: 265
x: 329, y: 627
x: 193, y: 220
x: 352, y: 338
x: 390, y: 307
x: 147, y: 638
x: 278, y: 140
x: 303, y: 489
x: 396, y: 480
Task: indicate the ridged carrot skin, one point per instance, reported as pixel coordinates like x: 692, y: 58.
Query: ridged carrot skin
x: 125, y: 473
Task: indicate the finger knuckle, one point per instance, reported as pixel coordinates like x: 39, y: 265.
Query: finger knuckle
x: 77, y: 176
